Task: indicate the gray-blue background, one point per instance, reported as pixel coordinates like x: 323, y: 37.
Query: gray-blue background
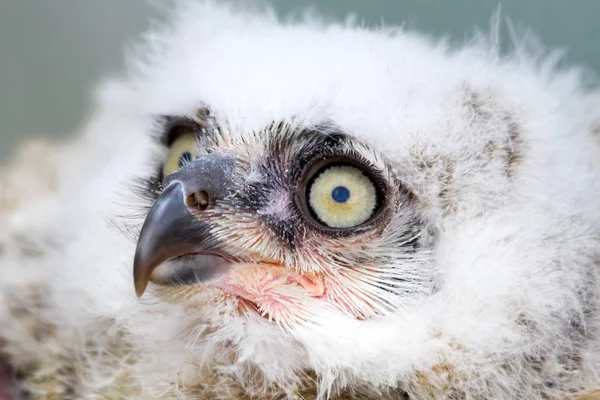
x: 52, y: 51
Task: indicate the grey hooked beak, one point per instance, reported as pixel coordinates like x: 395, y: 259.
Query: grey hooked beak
x: 171, y: 230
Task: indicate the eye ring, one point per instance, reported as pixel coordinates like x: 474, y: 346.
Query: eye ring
x: 321, y: 164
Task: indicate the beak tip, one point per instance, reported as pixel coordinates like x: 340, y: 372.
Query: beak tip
x: 140, y: 288
x: 140, y: 282
x: 139, y: 292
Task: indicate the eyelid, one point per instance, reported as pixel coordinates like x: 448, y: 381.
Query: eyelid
x: 179, y: 132
x: 175, y: 127
x: 318, y: 163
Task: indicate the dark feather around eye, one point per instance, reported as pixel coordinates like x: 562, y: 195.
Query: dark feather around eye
x: 175, y: 126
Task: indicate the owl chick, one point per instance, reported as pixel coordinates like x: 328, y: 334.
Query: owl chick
x: 300, y: 210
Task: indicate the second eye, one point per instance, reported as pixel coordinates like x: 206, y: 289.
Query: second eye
x: 183, y: 150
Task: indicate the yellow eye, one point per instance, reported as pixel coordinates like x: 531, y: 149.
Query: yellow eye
x: 342, y: 196
x: 182, y: 151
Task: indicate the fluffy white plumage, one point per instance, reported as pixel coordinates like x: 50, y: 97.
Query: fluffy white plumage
x: 501, y: 154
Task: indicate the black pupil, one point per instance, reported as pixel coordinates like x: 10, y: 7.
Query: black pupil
x: 185, y: 158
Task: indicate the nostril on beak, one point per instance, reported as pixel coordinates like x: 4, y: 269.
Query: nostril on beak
x: 198, y: 200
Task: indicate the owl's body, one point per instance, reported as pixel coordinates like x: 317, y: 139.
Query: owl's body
x: 478, y: 276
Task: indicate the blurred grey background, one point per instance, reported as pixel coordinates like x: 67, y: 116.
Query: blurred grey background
x: 53, y: 51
